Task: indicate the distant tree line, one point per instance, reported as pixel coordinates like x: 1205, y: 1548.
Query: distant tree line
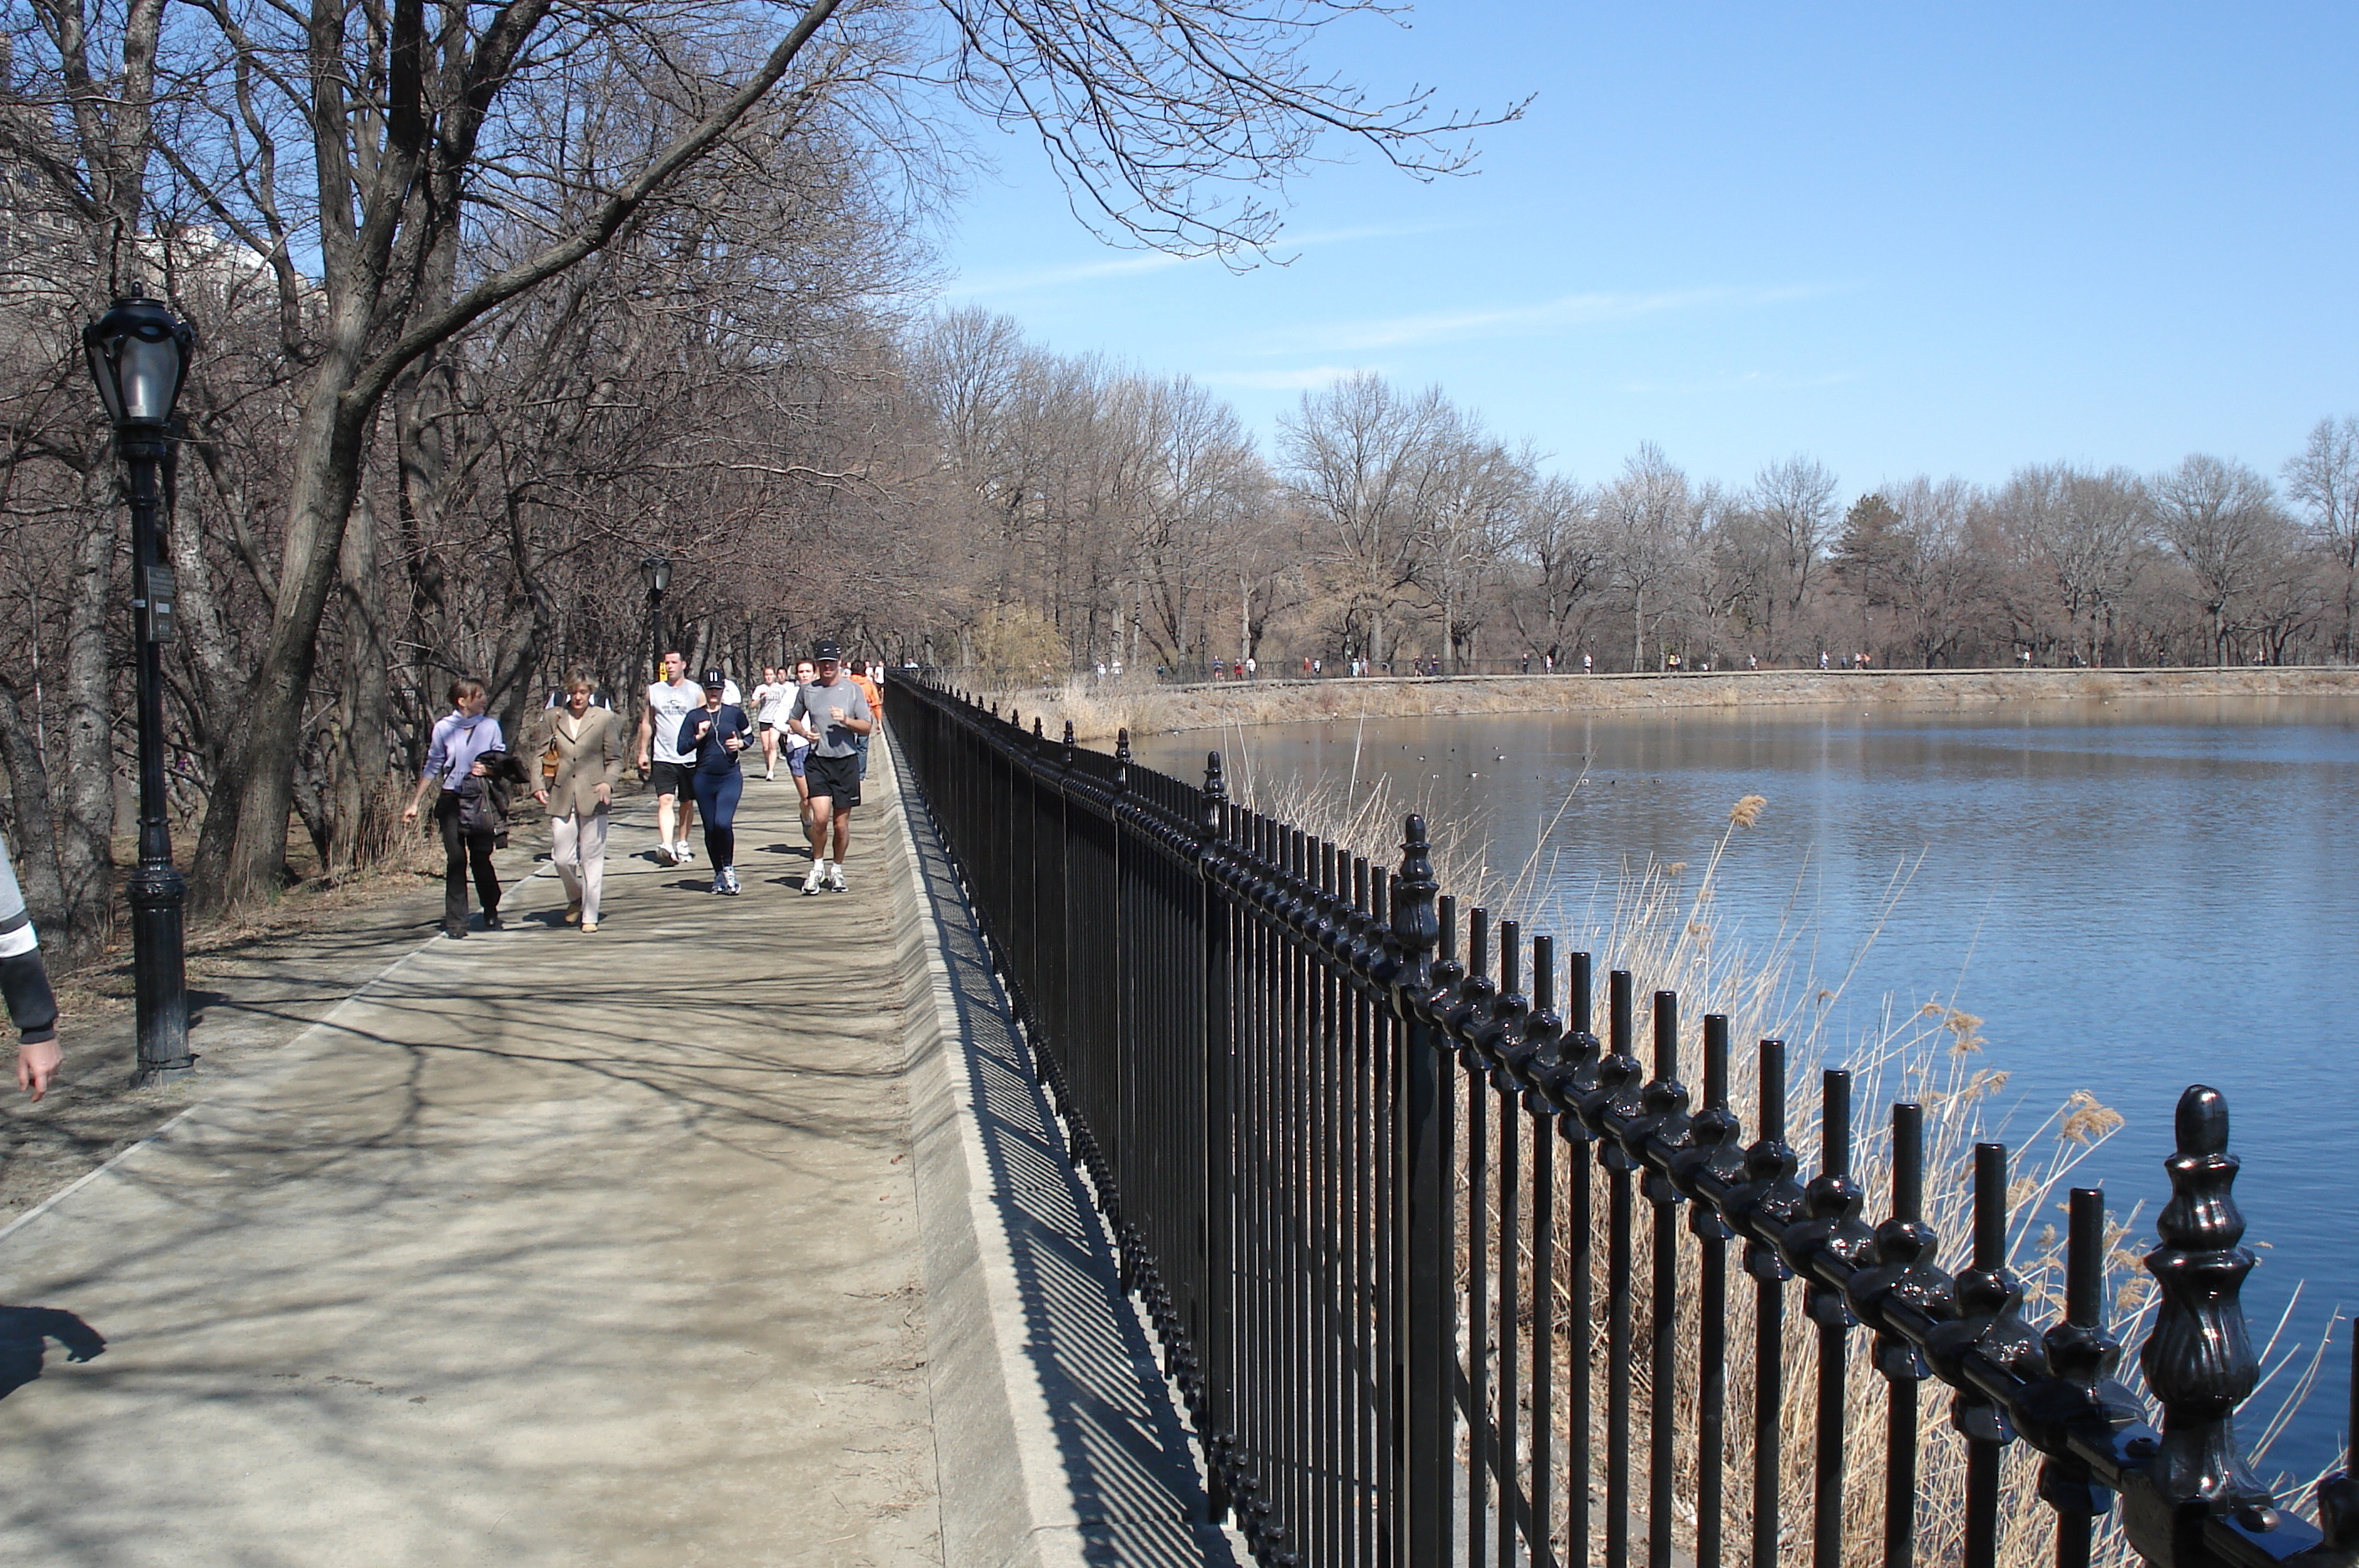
x: 1133, y: 518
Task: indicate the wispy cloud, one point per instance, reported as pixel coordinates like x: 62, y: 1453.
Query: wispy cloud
x: 1283, y: 248
x: 1080, y: 272
x: 1283, y: 380
x: 1737, y: 381
x: 1566, y: 311
x: 1313, y: 237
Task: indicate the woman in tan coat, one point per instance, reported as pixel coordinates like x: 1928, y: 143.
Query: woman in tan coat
x: 584, y: 744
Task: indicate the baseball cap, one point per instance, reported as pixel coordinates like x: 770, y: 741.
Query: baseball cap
x: 715, y: 680
x: 828, y: 648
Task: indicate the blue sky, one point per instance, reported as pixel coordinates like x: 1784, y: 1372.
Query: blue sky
x: 1902, y: 239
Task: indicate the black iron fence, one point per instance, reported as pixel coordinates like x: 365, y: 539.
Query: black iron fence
x: 1352, y: 1171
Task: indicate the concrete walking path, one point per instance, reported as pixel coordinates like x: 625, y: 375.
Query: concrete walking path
x: 552, y: 1248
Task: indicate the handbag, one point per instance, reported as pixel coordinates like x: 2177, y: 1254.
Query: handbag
x: 548, y: 759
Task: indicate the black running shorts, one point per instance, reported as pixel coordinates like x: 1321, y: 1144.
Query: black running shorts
x: 837, y: 778
x: 670, y: 777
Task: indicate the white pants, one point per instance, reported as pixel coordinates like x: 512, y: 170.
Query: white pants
x: 579, y: 847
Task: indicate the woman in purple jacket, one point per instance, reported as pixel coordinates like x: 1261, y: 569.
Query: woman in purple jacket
x: 461, y: 738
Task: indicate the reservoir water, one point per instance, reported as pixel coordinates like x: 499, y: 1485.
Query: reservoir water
x: 2132, y: 896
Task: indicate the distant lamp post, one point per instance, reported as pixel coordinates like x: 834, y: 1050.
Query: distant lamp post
x: 657, y: 571
x: 139, y: 357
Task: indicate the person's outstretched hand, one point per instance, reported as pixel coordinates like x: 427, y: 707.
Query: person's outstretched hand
x: 36, y: 1064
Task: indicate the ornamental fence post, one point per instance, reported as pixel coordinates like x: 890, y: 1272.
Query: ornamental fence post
x: 1219, y: 1261
x: 1428, y: 1309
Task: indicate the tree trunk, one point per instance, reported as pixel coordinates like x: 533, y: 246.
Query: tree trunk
x: 241, y: 853
x: 362, y: 761
x: 86, y: 803
x: 212, y: 658
x: 28, y: 799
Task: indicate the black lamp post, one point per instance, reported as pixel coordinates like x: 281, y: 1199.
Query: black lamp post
x: 138, y: 354
x: 657, y: 571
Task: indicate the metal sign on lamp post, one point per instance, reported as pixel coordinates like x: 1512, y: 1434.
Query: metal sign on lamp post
x: 139, y: 357
x: 656, y: 568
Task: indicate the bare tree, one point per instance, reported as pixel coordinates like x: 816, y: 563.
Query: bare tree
x: 1651, y: 525
x: 2324, y: 479
x: 1564, y: 566
x: 2222, y: 519
x: 1939, y: 571
x: 1794, y: 503
x: 1367, y: 465
x: 2081, y: 531
x: 1472, y: 513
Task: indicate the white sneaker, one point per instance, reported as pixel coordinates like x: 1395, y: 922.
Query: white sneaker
x: 721, y: 882
x: 835, y: 877
x: 817, y: 879
x: 665, y: 856
x: 681, y: 854
x: 728, y: 881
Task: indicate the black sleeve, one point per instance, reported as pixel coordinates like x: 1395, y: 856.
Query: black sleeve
x: 32, y: 1006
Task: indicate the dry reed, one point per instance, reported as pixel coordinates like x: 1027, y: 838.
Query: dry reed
x: 1662, y: 922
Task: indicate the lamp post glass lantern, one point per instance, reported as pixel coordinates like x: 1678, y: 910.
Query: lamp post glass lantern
x: 138, y: 353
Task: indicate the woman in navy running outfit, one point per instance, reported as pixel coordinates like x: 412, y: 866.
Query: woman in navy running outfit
x: 714, y: 734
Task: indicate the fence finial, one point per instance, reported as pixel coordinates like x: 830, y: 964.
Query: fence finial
x: 1416, y: 927
x: 1069, y: 743
x: 1215, y: 796
x: 2198, y: 1360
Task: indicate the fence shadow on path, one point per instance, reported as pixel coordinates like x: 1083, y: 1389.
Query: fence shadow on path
x: 1137, y: 1497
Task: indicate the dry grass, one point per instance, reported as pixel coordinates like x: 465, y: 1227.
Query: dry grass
x: 1098, y: 709
x: 1663, y: 923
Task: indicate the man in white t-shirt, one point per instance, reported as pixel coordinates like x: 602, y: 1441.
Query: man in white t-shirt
x: 770, y: 699
x: 661, y: 760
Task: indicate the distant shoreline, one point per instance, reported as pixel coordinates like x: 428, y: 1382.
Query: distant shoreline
x: 1098, y: 712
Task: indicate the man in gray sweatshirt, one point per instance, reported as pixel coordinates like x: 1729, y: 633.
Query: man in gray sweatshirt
x: 25, y: 983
